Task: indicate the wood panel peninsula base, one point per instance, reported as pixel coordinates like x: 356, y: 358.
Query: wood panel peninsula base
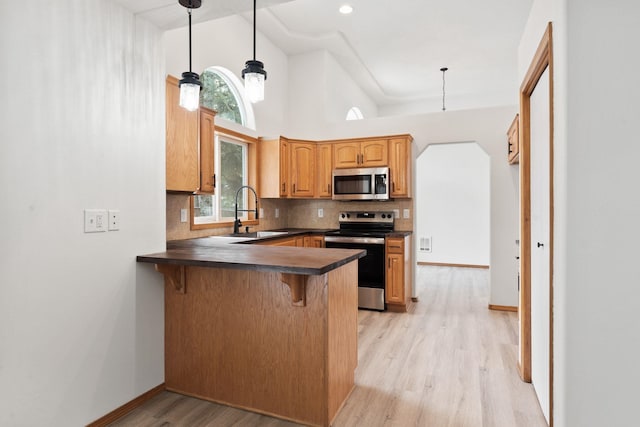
x: 278, y: 343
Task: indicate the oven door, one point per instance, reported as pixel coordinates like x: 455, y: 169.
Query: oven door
x: 371, y: 271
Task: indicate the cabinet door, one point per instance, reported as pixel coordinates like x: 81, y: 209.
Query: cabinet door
x: 207, y: 172
x: 284, y: 167
x: 324, y: 158
x: 400, y: 167
x: 374, y: 153
x: 395, y: 278
x: 346, y: 155
x: 303, y: 168
x: 314, y: 241
x: 182, y: 168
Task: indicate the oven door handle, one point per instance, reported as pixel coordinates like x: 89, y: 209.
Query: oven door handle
x: 356, y: 240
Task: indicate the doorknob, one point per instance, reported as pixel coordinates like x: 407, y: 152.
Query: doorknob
x: 540, y: 245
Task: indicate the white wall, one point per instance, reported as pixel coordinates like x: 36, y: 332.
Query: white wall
x: 453, y: 203
x: 82, y: 126
x: 341, y: 93
x: 596, y: 208
x: 228, y: 42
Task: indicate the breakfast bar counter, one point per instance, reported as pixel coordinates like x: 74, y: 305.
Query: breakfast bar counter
x: 267, y: 329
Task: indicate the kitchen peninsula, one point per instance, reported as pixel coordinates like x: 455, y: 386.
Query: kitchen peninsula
x: 268, y: 329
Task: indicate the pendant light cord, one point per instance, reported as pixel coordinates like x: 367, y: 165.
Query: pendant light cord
x: 189, y: 11
x: 254, y: 29
x: 443, y: 69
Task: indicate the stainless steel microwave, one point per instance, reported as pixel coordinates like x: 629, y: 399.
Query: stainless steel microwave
x: 361, y: 184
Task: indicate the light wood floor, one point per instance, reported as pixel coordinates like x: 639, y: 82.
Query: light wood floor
x: 448, y: 362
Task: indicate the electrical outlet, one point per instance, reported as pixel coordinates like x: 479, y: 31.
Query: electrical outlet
x: 183, y: 215
x: 277, y: 214
x: 405, y: 214
x: 320, y: 212
x: 95, y: 220
x: 396, y: 213
x: 261, y: 212
x: 114, y: 219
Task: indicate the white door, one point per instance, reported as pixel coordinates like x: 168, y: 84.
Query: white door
x: 540, y: 232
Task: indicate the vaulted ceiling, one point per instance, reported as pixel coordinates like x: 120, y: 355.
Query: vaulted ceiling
x: 393, y: 49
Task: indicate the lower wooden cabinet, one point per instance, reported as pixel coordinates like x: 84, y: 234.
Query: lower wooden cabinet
x: 314, y: 241
x: 398, y: 274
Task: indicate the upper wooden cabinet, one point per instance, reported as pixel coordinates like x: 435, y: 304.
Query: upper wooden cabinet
x: 324, y: 166
x: 513, y: 142
x: 356, y: 154
x: 189, y: 153
x: 302, y: 172
x: 292, y: 168
x: 400, y: 167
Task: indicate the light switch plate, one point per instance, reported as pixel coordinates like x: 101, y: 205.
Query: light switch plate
x: 320, y: 212
x: 261, y: 212
x: 277, y: 215
x: 396, y: 213
x: 183, y: 215
x: 95, y: 220
x: 405, y: 214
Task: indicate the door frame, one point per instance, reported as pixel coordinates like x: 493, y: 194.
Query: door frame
x: 542, y: 60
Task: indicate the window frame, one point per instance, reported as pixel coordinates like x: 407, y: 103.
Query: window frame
x: 252, y: 180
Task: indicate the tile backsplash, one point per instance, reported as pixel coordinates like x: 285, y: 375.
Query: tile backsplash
x: 291, y: 214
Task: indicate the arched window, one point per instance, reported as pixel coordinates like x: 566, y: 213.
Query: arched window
x: 222, y: 91
x: 354, y: 113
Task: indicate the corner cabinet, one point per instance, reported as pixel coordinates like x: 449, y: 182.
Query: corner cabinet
x: 400, y: 166
x: 273, y: 159
x: 359, y: 154
x: 294, y: 162
x: 513, y: 141
x: 398, y: 273
x: 189, y: 145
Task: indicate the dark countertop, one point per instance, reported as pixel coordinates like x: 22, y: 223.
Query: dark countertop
x: 212, y: 252
x: 400, y: 234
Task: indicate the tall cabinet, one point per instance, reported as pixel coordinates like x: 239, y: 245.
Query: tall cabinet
x: 189, y: 145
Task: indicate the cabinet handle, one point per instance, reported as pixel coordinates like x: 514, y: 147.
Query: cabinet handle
x: 283, y: 187
x: 389, y: 263
x: 510, y: 144
x: 393, y: 186
x: 214, y: 180
x: 294, y: 188
x: 329, y: 188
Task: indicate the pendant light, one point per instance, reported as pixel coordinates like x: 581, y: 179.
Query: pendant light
x: 443, y: 69
x: 190, y: 83
x: 254, y: 74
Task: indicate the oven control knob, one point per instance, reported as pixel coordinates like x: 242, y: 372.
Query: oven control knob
x: 384, y: 216
x: 343, y: 215
x: 348, y: 216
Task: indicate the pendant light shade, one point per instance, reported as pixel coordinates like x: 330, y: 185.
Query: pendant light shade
x: 254, y: 76
x: 190, y: 83
x: 253, y: 73
x: 190, y: 91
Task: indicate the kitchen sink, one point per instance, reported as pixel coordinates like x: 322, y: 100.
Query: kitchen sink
x: 258, y: 234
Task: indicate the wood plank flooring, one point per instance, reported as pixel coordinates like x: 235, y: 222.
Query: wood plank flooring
x: 448, y: 362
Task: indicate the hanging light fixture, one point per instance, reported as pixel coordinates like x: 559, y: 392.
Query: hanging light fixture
x: 190, y: 83
x: 254, y: 74
x: 443, y: 69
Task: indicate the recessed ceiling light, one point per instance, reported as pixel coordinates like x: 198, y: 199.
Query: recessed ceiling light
x: 345, y: 9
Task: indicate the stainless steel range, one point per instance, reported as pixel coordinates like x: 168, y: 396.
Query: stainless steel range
x: 365, y: 230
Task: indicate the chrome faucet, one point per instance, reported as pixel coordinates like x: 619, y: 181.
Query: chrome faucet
x: 237, y: 223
